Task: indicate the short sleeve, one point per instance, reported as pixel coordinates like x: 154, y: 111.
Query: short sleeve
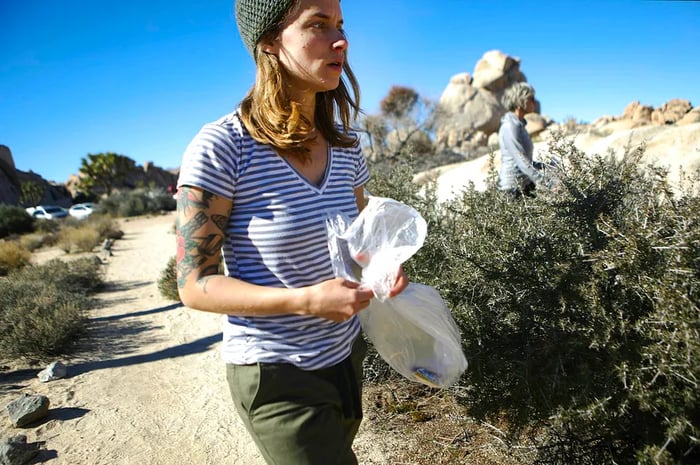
x: 210, y: 160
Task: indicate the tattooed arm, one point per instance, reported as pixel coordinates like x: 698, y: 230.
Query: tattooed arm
x: 201, y: 224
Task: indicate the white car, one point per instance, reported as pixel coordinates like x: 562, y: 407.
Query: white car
x: 81, y: 210
x: 47, y: 212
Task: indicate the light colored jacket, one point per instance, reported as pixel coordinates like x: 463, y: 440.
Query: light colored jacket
x: 517, y: 169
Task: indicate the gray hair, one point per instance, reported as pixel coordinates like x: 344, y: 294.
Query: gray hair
x: 517, y: 95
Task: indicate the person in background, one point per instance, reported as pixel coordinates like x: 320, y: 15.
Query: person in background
x: 255, y: 187
x: 518, y: 173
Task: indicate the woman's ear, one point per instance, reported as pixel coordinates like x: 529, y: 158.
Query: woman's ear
x: 270, y: 48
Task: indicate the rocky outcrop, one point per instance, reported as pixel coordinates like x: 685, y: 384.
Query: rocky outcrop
x: 64, y: 195
x: 635, y: 115
x: 675, y: 146
x: 471, y: 107
x: 11, y: 181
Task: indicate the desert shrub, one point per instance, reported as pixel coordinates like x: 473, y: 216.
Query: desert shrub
x: 137, y: 202
x: 80, y: 276
x: 39, y: 319
x: 14, y: 220
x: 32, y: 241
x: 48, y: 226
x: 105, y: 225
x: 78, y: 238
x: 167, y: 282
x: 12, y: 256
x: 43, y: 307
x: 578, y: 309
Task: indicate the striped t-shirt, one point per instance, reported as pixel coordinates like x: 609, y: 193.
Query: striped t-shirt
x: 276, y: 237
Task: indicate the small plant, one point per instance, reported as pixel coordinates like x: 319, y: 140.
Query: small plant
x: 80, y: 276
x: 43, y: 308
x: 167, y: 283
x: 32, y: 241
x: 39, y: 319
x: 12, y: 256
x: 78, y: 238
x: 14, y: 220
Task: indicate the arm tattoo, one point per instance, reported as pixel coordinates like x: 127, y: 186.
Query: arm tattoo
x: 194, y: 250
x: 189, y: 198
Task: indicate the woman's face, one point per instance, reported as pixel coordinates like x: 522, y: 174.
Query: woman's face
x: 312, y: 46
x: 530, y: 105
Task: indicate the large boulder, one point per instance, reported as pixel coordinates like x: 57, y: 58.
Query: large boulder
x: 495, y: 71
x: 466, y: 110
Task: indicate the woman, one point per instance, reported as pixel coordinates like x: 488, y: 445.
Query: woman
x: 518, y: 173
x: 255, y: 187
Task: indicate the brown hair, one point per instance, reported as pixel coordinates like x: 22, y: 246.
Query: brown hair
x: 271, y: 117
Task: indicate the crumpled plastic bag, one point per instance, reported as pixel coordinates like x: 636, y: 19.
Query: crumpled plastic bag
x: 414, y: 332
x: 382, y: 237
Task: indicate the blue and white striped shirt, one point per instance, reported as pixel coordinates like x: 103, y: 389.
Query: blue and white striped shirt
x: 276, y: 237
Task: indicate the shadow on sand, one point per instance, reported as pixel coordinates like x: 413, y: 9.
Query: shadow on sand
x: 190, y: 348
x: 137, y: 314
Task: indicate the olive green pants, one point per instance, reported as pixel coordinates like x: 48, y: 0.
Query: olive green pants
x: 300, y: 417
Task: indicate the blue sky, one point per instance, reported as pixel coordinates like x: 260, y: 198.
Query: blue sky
x: 140, y: 77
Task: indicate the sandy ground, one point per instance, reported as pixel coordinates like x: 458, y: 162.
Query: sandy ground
x: 148, y: 387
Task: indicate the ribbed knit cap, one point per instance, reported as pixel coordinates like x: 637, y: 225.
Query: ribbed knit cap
x: 254, y: 18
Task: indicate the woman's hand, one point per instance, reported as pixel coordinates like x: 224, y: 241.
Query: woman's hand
x: 400, y: 283
x: 337, y: 299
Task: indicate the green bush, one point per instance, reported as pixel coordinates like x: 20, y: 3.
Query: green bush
x: 137, y: 202
x: 37, y: 319
x: 578, y: 309
x: 167, y: 282
x: 14, y: 220
x: 80, y: 276
x: 43, y: 308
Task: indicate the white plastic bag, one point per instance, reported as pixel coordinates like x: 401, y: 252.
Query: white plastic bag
x: 413, y: 332
x: 416, y: 335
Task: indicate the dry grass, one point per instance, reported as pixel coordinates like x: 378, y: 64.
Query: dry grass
x: 436, y: 428
x: 12, y: 256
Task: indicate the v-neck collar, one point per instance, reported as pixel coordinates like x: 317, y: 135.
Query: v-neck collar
x: 324, y: 180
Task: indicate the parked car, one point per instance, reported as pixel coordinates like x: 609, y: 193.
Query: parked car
x: 47, y: 212
x: 81, y: 210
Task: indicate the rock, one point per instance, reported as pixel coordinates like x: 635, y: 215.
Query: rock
x: 635, y: 111
x: 691, y: 117
x: 28, y: 409
x: 671, y: 112
x: 16, y: 450
x: 535, y: 123
x: 496, y: 71
x: 55, y: 370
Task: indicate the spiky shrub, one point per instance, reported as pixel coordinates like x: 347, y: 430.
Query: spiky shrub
x: 578, y: 309
x: 167, y: 282
x: 43, y: 308
x: 12, y: 256
x: 14, y: 220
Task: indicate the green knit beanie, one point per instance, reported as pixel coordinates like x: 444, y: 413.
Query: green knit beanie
x: 254, y: 18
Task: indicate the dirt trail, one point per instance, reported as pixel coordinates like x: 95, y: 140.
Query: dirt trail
x: 149, y: 387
